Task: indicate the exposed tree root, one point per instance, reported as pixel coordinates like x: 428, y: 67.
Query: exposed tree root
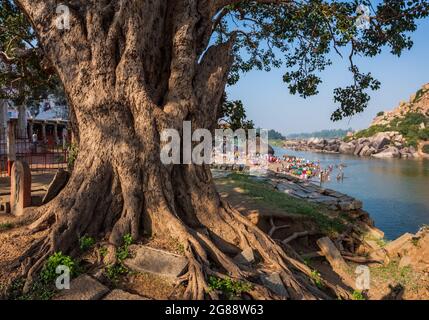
x: 206, y: 255
x: 297, y: 235
x: 275, y: 228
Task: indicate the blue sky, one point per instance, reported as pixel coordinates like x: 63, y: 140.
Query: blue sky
x: 269, y: 104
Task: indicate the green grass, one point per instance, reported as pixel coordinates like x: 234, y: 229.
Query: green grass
x: 276, y: 142
x: 229, y: 287
x: 263, y: 192
x: 358, y: 295
x: 38, y: 291
x: 5, y: 226
x: 369, y: 132
x: 399, y: 276
x: 425, y: 149
x: 381, y: 242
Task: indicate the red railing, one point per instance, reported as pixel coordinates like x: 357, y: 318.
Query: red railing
x: 39, y: 156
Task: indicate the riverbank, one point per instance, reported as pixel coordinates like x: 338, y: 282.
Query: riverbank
x: 265, y: 203
x: 393, y: 191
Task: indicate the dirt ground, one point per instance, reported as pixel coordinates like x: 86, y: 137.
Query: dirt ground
x: 39, y: 183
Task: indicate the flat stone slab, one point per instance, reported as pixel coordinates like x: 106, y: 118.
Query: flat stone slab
x: 83, y: 287
x: 156, y: 261
x: 123, y: 295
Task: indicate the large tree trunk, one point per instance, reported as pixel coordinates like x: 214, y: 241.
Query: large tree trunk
x: 131, y: 69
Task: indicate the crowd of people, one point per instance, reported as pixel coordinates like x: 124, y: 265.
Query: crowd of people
x: 299, y: 167
x: 302, y: 168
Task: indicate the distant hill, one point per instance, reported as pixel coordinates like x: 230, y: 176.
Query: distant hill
x: 410, y: 119
x: 325, y: 134
x: 418, y: 103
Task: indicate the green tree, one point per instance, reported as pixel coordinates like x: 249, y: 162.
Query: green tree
x: 131, y: 68
x: 274, y: 135
x: 233, y: 115
x: 26, y: 76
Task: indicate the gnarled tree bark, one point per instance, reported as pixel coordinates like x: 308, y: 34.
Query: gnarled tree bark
x: 132, y: 68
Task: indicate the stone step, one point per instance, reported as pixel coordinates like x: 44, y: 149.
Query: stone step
x: 83, y: 287
x: 156, y: 261
x: 123, y: 295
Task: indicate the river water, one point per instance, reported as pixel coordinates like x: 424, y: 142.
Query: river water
x: 395, y: 192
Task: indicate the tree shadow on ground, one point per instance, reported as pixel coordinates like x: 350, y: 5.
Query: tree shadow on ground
x: 396, y: 292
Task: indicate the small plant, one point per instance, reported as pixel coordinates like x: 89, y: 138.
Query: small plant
x: 38, y: 291
x: 415, y: 241
x: 103, y: 251
x: 118, y: 269
x: 307, y: 261
x: 229, y: 287
x: 180, y: 248
x: 48, y: 273
x: 123, y: 252
x: 5, y: 226
x: 382, y: 242
x: 317, y: 279
x: 381, y: 113
x: 358, y: 295
x: 128, y: 239
x: 73, y: 152
x: 86, y: 243
x: 114, y: 271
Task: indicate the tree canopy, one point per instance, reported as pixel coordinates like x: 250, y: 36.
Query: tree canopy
x: 299, y: 36
x: 232, y: 114
x: 25, y: 73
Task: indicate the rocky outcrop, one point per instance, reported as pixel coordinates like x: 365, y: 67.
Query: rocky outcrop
x: 418, y: 103
x: 410, y: 250
x: 390, y: 144
x: 415, y: 253
x: 390, y: 152
x: 385, y: 144
x: 381, y: 139
x: 346, y: 148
